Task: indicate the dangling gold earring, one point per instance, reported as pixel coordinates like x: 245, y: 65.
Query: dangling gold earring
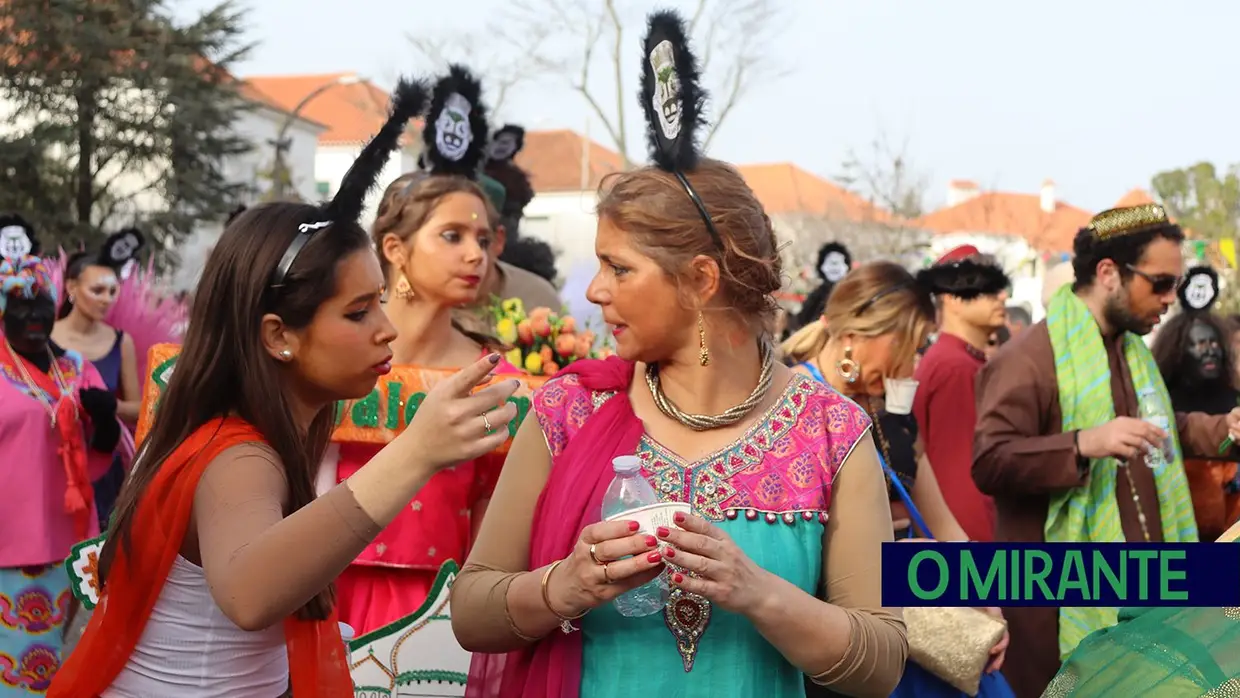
x: 404, y: 290
x: 703, y: 352
x: 848, y: 369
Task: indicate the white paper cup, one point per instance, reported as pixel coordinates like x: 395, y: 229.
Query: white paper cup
x: 346, y: 634
x: 900, y: 394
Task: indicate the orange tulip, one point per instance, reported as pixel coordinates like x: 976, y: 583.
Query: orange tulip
x: 549, y: 368
x: 565, y: 344
x: 568, y: 325
x: 546, y: 354
x: 582, y: 347
x: 540, y: 313
x: 525, y: 332
x: 541, y: 327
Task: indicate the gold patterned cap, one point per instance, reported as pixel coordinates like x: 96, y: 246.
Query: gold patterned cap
x: 1128, y: 220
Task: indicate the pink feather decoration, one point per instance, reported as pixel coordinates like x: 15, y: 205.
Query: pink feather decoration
x: 142, y: 311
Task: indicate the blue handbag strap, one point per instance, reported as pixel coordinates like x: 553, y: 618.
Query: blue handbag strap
x: 904, y: 495
x: 891, y: 474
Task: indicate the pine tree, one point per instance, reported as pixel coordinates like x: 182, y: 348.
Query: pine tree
x: 118, y: 115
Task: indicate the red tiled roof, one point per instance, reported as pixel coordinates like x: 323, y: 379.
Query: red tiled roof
x: 352, y: 113
x: 785, y: 188
x: 1134, y: 197
x: 1005, y: 213
x: 565, y: 161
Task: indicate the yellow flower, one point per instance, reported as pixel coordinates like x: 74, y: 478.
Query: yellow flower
x: 513, y: 308
x: 507, y: 330
x: 513, y: 356
x: 533, y: 364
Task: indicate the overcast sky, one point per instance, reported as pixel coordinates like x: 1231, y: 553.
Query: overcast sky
x: 1097, y: 95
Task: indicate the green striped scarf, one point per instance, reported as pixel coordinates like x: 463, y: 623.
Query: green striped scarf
x: 1089, y: 514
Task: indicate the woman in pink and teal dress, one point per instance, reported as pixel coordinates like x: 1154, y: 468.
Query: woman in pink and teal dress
x: 433, y: 231
x: 775, y: 572
x: 58, y: 429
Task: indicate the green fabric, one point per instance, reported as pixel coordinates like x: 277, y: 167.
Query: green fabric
x: 1164, y: 652
x: 494, y: 191
x: 1089, y: 514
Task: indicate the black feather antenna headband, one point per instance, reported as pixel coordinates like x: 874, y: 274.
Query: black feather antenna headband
x: 672, y: 101
x: 408, y: 102
x: 456, y: 127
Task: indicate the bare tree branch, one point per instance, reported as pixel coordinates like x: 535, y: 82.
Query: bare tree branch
x: 886, y: 178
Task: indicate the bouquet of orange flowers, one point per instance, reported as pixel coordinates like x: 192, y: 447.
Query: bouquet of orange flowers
x: 542, y: 341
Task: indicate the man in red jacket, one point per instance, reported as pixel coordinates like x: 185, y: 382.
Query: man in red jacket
x: 945, y: 408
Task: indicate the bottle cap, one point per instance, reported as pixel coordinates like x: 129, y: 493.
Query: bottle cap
x: 626, y: 464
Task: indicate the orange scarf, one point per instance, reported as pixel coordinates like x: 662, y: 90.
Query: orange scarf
x: 317, y: 665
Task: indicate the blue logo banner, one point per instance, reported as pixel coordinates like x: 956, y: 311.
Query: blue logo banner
x: 1061, y: 574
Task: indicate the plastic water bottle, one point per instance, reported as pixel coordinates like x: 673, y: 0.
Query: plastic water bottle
x: 629, y: 490
x: 1152, y: 412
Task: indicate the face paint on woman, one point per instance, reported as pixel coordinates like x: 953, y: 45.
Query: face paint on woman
x: 28, y: 323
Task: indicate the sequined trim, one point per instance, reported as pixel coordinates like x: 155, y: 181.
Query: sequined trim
x: 597, y: 398
x: 705, y: 483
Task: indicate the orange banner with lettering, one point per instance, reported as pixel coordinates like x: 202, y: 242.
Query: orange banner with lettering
x: 376, y: 418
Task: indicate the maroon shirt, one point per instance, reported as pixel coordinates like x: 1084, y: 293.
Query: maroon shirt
x: 946, y: 413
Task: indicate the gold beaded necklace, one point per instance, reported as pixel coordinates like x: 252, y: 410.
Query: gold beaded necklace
x: 39, y: 393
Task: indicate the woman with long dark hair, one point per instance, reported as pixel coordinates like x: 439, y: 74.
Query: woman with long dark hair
x: 217, y: 572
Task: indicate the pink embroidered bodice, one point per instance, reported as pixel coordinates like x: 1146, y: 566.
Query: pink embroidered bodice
x: 782, y: 467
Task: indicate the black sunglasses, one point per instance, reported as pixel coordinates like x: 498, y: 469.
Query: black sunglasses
x: 1160, y: 284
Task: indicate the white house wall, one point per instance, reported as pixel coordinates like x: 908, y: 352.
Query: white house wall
x: 331, y: 162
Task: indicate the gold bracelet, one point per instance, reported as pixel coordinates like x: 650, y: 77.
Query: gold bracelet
x: 566, y: 622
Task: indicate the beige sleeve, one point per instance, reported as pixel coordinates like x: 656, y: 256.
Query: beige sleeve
x: 501, y: 552
x: 859, y: 523
x: 261, y: 565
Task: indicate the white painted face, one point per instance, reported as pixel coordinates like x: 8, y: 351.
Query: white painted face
x: 666, y: 96
x: 14, y: 242
x: 452, y: 134
x: 1200, y: 292
x: 834, y: 267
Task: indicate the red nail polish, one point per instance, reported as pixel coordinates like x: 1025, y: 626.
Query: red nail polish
x: 679, y: 517
x: 678, y: 578
x: 670, y: 552
x: 651, y: 541
x: 653, y: 557
x: 633, y: 525
x: 663, y: 531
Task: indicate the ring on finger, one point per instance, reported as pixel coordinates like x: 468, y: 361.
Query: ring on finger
x: 594, y: 555
x: 486, y: 423
x: 606, y: 574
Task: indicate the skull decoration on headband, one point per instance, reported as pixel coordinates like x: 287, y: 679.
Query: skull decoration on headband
x: 834, y: 262
x: 672, y: 100
x: 120, y: 250
x: 456, y: 127
x: 408, y: 102
x: 506, y: 143
x: 1199, y: 290
x: 17, y: 238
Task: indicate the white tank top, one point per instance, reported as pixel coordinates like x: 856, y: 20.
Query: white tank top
x: 190, y: 649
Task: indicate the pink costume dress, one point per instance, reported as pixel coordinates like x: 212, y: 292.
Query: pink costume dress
x: 38, y: 530
x: 394, y: 574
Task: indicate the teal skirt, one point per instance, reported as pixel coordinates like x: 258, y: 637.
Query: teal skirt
x: 34, y: 602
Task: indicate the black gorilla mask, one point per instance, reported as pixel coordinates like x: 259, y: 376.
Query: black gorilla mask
x: 1205, y: 352
x: 28, y: 323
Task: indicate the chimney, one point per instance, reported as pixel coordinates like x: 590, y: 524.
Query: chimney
x: 960, y: 191
x: 1048, y: 196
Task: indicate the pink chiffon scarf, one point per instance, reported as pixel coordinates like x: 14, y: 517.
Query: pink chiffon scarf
x: 571, y: 500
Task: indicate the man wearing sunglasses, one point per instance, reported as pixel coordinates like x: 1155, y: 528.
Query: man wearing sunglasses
x: 1060, y: 432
